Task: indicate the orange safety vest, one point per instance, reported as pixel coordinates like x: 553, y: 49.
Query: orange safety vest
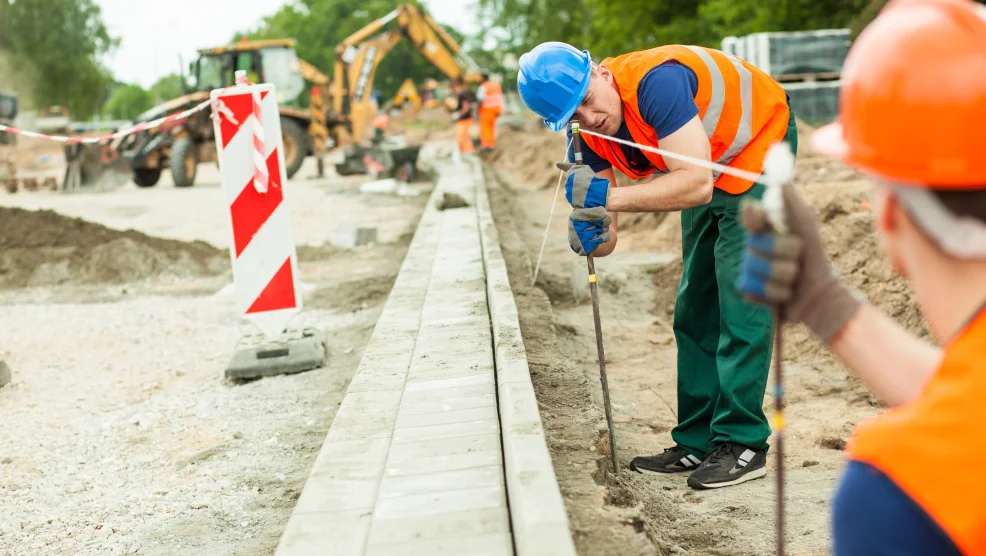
x: 492, y: 96
x: 742, y: 109
x: 945, y: 426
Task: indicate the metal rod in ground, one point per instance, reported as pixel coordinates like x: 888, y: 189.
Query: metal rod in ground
x: 602, y: 363
x: 779, y: 426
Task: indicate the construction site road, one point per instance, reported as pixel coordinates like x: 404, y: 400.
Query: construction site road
x: 119, y: 433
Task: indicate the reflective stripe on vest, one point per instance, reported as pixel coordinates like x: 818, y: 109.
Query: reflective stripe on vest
x: 492, y: 95
x: 932, y: 447
x: 743, y: 111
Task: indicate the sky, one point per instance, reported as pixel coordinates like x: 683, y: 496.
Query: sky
x: 153, y: 33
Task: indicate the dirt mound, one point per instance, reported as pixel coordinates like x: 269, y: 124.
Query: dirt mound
x: 43, y: 248
x: 530, y: 155
x: 839, y: 196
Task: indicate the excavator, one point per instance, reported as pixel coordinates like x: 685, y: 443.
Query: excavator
x: 338, y: 116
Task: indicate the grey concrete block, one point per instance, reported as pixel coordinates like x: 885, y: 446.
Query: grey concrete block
x: 447, y: 430
x: 352, y: 459
x: 415, y: 529
x: 490, y: 544
x: 5, y: 376
x: 325, y: 534
x: 447, y: 404
x: 441, y: 502
x: 444, y: 454
x: 490, y: 476
x: 449, y: 383
x: 300, y: 351
x: 406, y: 421
x: 323, y: 493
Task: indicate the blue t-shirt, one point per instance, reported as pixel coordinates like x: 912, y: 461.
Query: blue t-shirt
x: 666, y: 99
x: 872, y: 516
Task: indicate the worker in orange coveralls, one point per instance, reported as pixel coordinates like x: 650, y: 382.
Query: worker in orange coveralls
x: 490, y: 97
x: 913, y: 102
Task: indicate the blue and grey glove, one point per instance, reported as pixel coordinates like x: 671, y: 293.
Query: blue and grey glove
x: 792, y: 270
x: 583, y: 189
x: 588, y: 226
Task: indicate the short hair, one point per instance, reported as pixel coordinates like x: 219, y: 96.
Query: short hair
x: 485, y: 76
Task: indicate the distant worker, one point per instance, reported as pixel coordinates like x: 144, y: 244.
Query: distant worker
x: 709, y: 105
x: 908, y: 488
x: 380, y: 124
x: 462, y: 116
x: 490, y: 97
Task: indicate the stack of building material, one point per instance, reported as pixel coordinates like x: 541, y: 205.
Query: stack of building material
x: 806, y: 63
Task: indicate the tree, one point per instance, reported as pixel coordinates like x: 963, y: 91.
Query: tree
x: 127, y: 102
x: 59, y: 42
x: 166, y: 88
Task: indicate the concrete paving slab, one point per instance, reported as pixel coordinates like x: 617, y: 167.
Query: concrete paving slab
x: 447, y: 404
x: 414, y: 529
x: 448, y: 430
x: 405, y: 421
x: 449, y: 383
x: 490, y: 544
x: 442, y: 502
x: 326, y: 534
x: 490, y: 476
x: 326, y: 493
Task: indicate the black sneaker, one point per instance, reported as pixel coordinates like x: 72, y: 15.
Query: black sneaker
x: 727, y: 465
x: 673, y: 460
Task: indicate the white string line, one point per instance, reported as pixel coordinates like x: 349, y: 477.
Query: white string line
x: 554, y: 201
x: 721, y: 168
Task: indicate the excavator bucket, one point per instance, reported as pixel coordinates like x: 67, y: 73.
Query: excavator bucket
x: 94, y: 167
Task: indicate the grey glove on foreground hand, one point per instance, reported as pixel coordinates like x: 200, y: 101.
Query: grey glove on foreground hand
x: 792, y: 270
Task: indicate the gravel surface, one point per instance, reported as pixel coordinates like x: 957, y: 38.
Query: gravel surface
x: 120, y: 435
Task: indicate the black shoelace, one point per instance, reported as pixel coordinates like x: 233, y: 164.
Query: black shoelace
x: 720, y: 452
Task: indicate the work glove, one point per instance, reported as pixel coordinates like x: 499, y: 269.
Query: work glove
x: 583, y: 189
x: 792, y: 270
x: 588, y: 228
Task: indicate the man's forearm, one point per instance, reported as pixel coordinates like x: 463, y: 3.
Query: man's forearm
x: 677, y: 190
x: 891, y: 361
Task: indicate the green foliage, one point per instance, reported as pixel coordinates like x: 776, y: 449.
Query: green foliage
x: 319, y: 25
x: 58, y: 43
x: 166, y: 88
x: 612, y: 27
x: 126, y: 102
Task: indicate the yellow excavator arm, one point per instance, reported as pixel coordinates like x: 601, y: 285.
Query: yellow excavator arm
x: 358, y: 56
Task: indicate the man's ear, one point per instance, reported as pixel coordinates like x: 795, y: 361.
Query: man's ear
x: 605, y: 73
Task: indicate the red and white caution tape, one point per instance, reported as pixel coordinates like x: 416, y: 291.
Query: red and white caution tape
x: 260, y: 177
x: 106, y: 138
x: 219, y: 106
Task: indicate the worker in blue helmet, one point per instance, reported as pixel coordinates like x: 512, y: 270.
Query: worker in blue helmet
x: 652, y: 98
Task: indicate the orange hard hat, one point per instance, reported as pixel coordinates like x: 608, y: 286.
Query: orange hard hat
x: 913, y: 99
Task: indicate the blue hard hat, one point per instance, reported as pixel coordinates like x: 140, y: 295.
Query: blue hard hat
x: 552, y: 81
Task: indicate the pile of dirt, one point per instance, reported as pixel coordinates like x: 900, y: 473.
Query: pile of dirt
x: 840, y: 198
x: 530, y: 154
x: 44, y: 248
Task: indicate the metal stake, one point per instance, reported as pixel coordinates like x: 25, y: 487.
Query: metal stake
x: 779, y: 425
x: 577, y: 142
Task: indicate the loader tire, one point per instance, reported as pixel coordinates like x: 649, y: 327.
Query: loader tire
x: 184, y: 161
x: 295, y: 140
x: 146, y: 177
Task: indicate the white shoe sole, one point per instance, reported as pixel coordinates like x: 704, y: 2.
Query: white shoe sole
x: 755, y: 474
x: 668, y: 472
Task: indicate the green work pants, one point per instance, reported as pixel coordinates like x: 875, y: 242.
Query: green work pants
x: 724, y: 342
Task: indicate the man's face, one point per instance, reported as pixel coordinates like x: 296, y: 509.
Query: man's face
x: 601, y: 110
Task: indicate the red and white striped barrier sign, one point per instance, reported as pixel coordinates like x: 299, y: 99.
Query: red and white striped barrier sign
x: 265, y: 266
